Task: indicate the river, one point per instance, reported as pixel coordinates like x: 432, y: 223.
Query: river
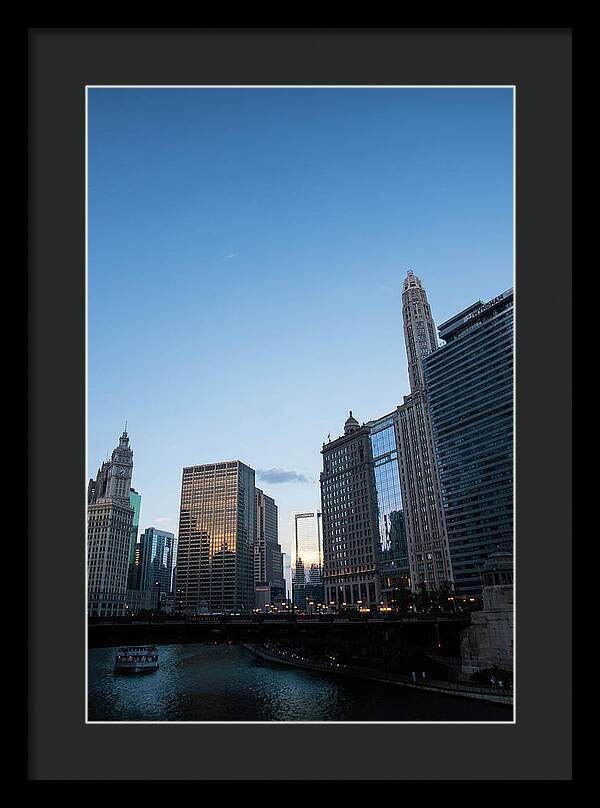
x: 200, y: 682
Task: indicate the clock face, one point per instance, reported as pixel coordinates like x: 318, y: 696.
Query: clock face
x: 121, y: 472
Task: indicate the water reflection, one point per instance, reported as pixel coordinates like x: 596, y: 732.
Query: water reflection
x: 200, y: 682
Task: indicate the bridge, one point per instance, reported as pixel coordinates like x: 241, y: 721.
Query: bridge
x: 429, y: 642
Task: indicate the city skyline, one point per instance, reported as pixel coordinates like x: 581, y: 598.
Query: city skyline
x: 274, y: 298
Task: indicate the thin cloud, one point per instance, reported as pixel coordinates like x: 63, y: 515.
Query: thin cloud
x: 281, y: 476
x: 162, y: 520
x: 229, y: 256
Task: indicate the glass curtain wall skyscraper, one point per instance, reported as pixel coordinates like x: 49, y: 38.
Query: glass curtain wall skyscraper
x: 470, y: 389
x: 308, y: 540
x: 157, y: 560
x: 135, y: 500
x: 217, y: 526
x: 307, y: 573
x: 391, y: 520
x: 268, y: 558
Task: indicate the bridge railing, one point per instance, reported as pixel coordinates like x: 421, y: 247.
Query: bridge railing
x: 334, y: 666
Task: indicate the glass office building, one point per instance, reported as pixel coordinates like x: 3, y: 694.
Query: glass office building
x: 470, y: 389
x: 268, y: 558
x: 135, y: 500
x: 308, y: 541
x: 393, y: 565
x: 217, y: 527
x: 307, y: 577
x: 157, y: 560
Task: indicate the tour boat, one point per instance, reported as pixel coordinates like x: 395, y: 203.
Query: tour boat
x: 137, y: 659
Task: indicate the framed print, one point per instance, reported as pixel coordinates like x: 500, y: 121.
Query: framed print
x: 287, y: 335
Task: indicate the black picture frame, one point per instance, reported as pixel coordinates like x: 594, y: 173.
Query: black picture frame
x: 61, y: 63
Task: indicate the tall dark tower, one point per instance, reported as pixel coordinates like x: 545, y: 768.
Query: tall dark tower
x: 470, y: 400
x: 268, y: 558
x: 419, y: 329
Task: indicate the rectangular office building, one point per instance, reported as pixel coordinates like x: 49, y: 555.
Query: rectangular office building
x: 215, y: 553
x: 268, y: 558
x: 307, y: 577
x: 157, y: 560
x: 469, y: 384
x: 351, y: 550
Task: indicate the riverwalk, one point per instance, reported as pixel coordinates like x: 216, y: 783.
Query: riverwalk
x: 464, y: 690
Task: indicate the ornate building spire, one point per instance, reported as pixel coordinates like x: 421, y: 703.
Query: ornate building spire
x: 119, y: 470
x: 419, y: 329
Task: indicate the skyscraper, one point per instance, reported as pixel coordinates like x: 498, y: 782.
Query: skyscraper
x: 428, y: 552
x: 217, y: 526
x: 308, y: 540
x: 268, y: 558
x: 394, y: 566
x: 110, y: 522
x: 135, y: 500
x: 307, y: 574
x: 157, y: 560
x: 351, y: 550
x: 419, y: 328
x: 470, y: 390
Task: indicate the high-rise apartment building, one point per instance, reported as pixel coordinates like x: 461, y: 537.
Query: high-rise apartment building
x: 351, y: 550
x: 217, y: 527
x: 307, y: 573
x: 470, y: 390
x: 110, y: 522
x: 157, y: 560
x: 268, y: 558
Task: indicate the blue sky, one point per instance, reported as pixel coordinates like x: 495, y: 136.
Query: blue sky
x: 247, y: 249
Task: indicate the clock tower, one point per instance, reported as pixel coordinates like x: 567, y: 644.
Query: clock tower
x: 120, y: 471
x: 110, y: 523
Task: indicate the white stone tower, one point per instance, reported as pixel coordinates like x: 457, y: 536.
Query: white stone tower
x: 419, y: 329
x: 110, y: 520
x: 120, y: 470
x: 427, y: 538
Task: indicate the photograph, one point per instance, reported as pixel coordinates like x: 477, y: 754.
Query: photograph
x: 300, y: 404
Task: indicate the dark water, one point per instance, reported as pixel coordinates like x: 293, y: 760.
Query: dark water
x: 228, y: 683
